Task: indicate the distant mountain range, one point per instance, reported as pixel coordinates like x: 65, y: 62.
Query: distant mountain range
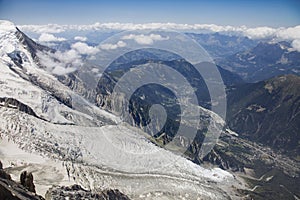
x: 263, y: 61
x: 219, y: 45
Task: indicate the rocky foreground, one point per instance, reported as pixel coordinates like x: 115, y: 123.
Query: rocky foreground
x: 25, y: 190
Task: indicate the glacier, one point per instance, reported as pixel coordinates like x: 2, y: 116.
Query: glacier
x: 94, y: 149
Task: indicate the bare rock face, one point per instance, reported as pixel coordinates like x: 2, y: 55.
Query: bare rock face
x: 26, y: 180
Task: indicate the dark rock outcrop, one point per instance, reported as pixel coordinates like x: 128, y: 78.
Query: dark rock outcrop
x: 3, y: 174
x: 14, y: 103
x: 26, y: 180
x: 76, y: 192
x: 11, y: 190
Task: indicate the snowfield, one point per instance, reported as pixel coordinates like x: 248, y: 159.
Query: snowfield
x: 62, y: 146
x: 112, y: 156
x: 47, y: 172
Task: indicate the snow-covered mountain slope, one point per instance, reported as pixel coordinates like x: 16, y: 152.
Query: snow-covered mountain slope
x: 92, y: 148
x: 114, y: 157
x: 47, y: 172
x: 32, y: 85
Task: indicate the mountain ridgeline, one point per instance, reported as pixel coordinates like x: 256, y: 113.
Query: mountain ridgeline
x: 220, y: 45
x: 146, y: 96
x: 264, y: 61
x: 268, y: 112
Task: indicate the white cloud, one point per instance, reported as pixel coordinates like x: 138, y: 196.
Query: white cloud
x: 80, y: 38
x: 144, y: 39
x: 46, y: 37
x: 70, y: 56
x: 48, y: 28
x: 282, y: 33
x: 260, y: 32
x: 296, y: 44
x: 60, y: 70
x: 109, y: 46
x: 95, y: 70
x: 291, y: 33
x: 83, y: 48
x: 60, y: 63
x: 257, y: 32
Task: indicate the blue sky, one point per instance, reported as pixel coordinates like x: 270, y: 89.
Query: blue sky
x: 274, y: 13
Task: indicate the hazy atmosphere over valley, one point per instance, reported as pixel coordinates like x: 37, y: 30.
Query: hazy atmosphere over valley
x: 149, y: 100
